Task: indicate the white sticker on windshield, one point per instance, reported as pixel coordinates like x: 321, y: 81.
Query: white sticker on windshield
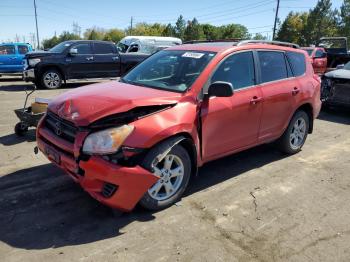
x: 193, y: 55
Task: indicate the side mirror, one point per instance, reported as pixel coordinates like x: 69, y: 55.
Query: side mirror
x: 220, y: 89
x: 340, y: 66
x: 73, y: 51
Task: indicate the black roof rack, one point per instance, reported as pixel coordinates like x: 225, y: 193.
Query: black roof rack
x: 229, y: 40
x: 245, y: 42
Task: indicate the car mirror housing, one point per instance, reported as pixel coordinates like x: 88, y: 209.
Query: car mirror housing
x: 340, y: 66
x: 220, y: 89
x: 73, y: 51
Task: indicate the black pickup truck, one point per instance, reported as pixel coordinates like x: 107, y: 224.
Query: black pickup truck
x: 336, y: 49
x: 77, y: 59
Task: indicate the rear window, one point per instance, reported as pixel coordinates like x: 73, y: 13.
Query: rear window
x: 101, y: 48
x: 272, y: 65
x: 7, y: 50
x: 297, y: 61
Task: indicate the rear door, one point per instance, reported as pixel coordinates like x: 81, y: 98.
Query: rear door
x: 106, y: 60
x: 8, y: 59
x: 231, y: 123
x: 278, y: 88
x: 81, y: 65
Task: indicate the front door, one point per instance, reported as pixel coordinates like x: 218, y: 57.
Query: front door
x: 81, y: 65
x: 232, y: 123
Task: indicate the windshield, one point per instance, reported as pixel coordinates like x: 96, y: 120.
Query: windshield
x: 122, y: 47
x: 347, y: 66
x: 169, y: 70
x: 60, y: 47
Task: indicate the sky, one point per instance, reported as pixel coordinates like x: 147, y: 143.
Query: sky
x: 54, y: 16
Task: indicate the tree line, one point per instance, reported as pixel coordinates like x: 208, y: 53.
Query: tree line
x: 185, y: 30
x: 306, y: 28
x: 303, y: 28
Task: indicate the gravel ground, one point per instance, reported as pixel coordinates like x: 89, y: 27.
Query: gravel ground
x: 258, y: 205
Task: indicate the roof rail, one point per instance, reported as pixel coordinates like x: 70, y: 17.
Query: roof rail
x: 213, y: 41
x: 245, y: 42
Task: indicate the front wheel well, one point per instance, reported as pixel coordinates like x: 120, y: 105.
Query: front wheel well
x: 307, y: 108
x: 48, y: 67
x: 185, y: 140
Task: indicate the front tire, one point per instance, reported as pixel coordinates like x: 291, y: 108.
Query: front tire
x: 296, y: 133
x: 51, y: 79
x: 174, y: 172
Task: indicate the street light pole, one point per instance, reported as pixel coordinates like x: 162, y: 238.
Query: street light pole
x: 276, y: 17
x: 36, y: 24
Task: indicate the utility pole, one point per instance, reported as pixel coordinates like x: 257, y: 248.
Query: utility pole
x: 276, y: 17
x: 131, y: 20
x: 36, y: 24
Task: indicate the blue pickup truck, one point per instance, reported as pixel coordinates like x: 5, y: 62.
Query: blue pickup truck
x: 11, y: 57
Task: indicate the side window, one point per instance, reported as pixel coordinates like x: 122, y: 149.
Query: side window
x: 7, y: 50
x: 103, y: 49
x: 297, y: 61
x: 22, y: 49
x: 320, y: 54
x: 272, y: 66
x: 83, y: 49
x: 238, y: 69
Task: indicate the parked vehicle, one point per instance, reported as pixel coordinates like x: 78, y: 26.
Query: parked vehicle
x: 146, y: 44
x: 336, y: 49
x: 77, y: 59
x: 336, y: 87
x: 11, y: 56
x: 140, y: 139
x: 318, y: 57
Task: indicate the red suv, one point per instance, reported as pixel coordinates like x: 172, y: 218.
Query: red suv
x: 140, y: 139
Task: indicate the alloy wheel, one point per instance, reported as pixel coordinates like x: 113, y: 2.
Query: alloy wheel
x: 298, y: 133
x: 170, y: 172
x: 52, y: 80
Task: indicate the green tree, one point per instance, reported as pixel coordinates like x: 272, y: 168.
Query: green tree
x: 180, y: 27
x: 193, y: 31
x: 232, y: 31
x: 94, y: 33
x: 322, y: 21
x: 293, y: 27
x: 114, y: 35
x: 210, y: 32
x: 345, y: 19
x: 169, y: 30
x: 259, y: 36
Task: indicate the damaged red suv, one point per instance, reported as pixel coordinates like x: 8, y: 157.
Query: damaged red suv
x: 140, y: 139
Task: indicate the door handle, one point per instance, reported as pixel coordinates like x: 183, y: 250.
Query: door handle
x: 90, y: 58
x: 295, y: 91
x: 255, y: 100
x: 115, y: 58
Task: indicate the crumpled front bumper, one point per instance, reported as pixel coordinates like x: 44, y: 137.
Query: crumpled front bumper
x: 131, y: 182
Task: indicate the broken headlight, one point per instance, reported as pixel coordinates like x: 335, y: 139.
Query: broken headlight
x: 106, y: 141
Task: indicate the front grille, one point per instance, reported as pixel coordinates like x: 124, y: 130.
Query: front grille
x: 108, y: 190
x: 60, y: 127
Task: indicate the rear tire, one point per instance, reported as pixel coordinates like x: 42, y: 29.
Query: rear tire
x: 51, y: 79
x: 296, y: 133
x: 174, y: 172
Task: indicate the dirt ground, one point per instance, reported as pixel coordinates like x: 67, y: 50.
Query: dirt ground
x: 258, y: 205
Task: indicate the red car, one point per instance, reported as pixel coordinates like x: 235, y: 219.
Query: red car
x: 140, y: 139
x: 318, y: 57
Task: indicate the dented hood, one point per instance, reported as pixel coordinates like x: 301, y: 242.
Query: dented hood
x: 87, y: 104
